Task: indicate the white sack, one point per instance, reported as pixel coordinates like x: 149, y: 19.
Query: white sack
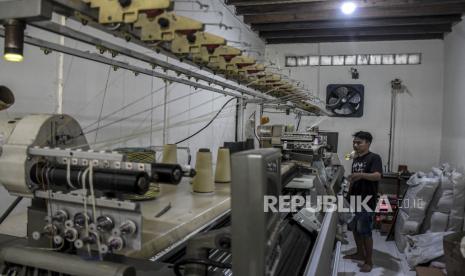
x: 424, y: 248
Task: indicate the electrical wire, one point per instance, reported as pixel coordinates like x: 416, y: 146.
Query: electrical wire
x: 206, y: 262
x: 255, y: 126
x: 113, y: 141
x: 10, y: 208
x: 132, y: 136
x: 207, y: 125
x: 255, y: 134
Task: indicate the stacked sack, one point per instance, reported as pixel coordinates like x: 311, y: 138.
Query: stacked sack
x: 421, y: 189
x: 447, y: 209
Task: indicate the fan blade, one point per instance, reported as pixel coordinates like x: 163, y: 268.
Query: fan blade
x: 342, y: 91
x: 342, y: 111
x: 334, y: 103
x: 348, y: 106
x: 355, y: 98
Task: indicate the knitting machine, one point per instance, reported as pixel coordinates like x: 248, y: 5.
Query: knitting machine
x: 85, y: 215
x: 82, y: 218
x: 311, y: 145
x: 84, y: 201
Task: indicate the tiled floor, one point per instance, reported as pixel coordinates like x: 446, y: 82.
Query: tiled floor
x: 388, y: 261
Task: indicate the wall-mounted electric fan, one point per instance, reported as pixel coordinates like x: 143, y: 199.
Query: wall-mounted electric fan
x: 345, y: 100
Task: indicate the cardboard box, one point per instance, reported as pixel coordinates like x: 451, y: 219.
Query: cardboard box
x: 428, y: 271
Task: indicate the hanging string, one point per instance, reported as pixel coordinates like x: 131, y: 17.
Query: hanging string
x: 103, y: 103
x: 172, y: 117
x: 94, y: 209
x: 151, y: 113
x: 114, y: 141
x: 125, y: 106
x: 132, y: 115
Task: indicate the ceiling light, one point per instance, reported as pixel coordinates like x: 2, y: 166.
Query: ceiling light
x: 13, y: 57
x: 14, y: 40
x: 348, y: 7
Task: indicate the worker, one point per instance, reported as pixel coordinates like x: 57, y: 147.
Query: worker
x: 366, y: 173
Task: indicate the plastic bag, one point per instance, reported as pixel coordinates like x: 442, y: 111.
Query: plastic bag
x: 445, y: 202
x: 418, y: 197
x: 399, y: 235
x: 455, y: 223
x: 439, y: 222
x: 458, y: 204
x: 424, y: 248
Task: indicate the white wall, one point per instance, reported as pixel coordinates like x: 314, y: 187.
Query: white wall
x: 35, y: 81
x: 419, y: 116
x: 453, y: 131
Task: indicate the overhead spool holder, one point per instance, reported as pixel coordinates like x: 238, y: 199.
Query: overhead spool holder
x: 97, y: 13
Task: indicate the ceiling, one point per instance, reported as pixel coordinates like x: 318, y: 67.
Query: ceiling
x: 313, y: 21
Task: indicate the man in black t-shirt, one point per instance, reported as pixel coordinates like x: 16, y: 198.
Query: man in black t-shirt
x: 366, y: 173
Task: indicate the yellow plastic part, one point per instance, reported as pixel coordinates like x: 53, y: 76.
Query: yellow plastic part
x: 111, y: 11
x: 264, y: 120
x: 251, y: 70
x: 238, y: 63
x: 273, y: 78
x: 226, y: 52
x: 164, y: 26
x: 191, y: 44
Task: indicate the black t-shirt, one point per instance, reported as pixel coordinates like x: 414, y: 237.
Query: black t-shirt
x: 368, y: 163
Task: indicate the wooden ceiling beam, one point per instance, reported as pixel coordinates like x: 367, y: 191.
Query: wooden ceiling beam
x: 427, y: 9
x: 359, y: 23
x: 354, y: 38
x: 296, y: 7
x: 357, y: 32
x: 266, y: 2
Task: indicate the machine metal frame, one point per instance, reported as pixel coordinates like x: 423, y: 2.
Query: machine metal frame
x: 321, y: 258
x: 41, y: 10
x: 256, y: 230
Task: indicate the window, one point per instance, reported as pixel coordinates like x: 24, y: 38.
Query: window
x: 362, y: 59
x: 326, y: 60
x: 401, y: 59
x: 314, y: 60
x: 414, y: 59
x: 376, y: 59
x: 388, y: 59
x: 351, y: 60
x: 338, y: 60
x: 302, y: 61
x: 291, y: 61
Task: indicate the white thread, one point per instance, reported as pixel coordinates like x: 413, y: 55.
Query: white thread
x: 68, y: 173
x: 84, y: 189
x: 94, y: 211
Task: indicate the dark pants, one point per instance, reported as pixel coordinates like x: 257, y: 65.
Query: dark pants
x: 362, y: 224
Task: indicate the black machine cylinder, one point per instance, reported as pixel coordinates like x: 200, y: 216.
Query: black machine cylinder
x: 167, y: 173
x: 108, y: 180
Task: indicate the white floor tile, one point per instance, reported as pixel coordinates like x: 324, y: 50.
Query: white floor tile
x: 388, y: 261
